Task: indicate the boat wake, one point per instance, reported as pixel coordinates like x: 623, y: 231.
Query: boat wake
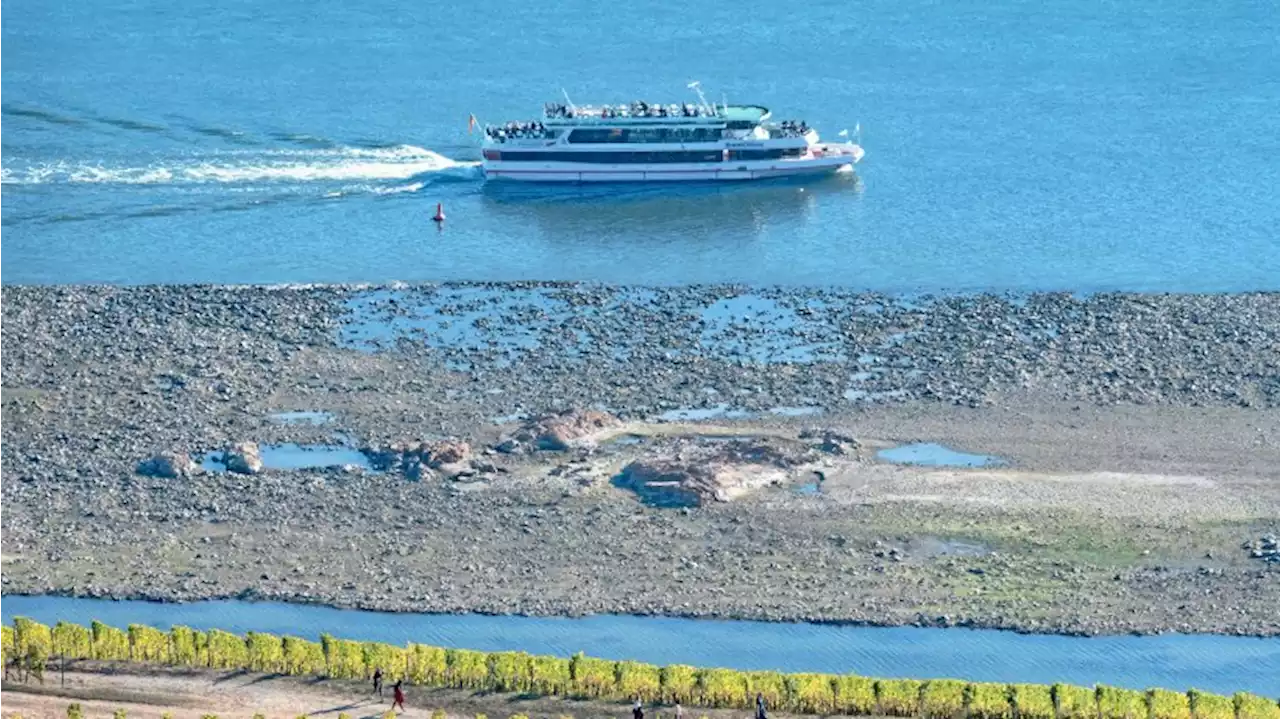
x: 343, y: 164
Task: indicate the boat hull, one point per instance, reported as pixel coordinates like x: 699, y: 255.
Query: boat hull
x: 572, y: 172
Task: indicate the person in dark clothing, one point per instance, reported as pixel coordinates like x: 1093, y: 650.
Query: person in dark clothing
x: 761, y: 710
x: 397, y: 695
x: 637, y: 712
x: 377, y: 682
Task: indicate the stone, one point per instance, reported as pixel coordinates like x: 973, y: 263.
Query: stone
x: 243, y: 458
x: 437, y: 453
x: 170, y: 465
x: 560, y: 432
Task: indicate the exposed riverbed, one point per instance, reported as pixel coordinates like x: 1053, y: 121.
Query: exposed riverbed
x: 1136, y: 435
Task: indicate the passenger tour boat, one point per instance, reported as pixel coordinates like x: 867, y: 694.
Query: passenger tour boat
x: 648, y: 142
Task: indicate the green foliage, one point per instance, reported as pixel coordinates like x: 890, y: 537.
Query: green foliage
x: 482, y: 716
x: 208, y: 716
x: 427, y: 665
x: 854, y: 695
x: 518, y: 716
x: 1252, y: 706
x: 549, y: 675
x: 995, y: 701
x: 1210, y: 706
x: 182, y: 646
x: 634, y: 680
x: 74, y: 711
x: 1034, y: 701
x: 509, y: 671
x: 72, y: 640
x: 942, y: 698
x: 438, y: 714
x: 1075, y: 702
x: 33, y: 642
x: 148, y: 644
x: 169, y: 715
x: 1164, y: 704
x: 679, y: 683
x: 898, y: 697
x: 301, y: 657
x: 390, y: 658
x: 260, y: 715
x: 466, y: 669
x: 120, y: 714
x: 227, y: 650
x: 109, y: 642
x: 810, y: 693
x: 1117, y: 703
x: 6, y: 643
x: 266, y: 652
x: 590, y: 677
x: 723, y: 688
x: 344, y: 659
x: 768, y: 684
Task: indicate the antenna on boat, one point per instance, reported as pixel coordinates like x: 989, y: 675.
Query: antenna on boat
x: 566, y: 99
x: 697, y: 87
x: 724, y: 101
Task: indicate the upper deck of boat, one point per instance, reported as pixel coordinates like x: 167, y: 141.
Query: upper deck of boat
x: 626, y: 116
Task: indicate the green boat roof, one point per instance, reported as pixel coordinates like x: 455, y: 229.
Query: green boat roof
x: 745, y: 113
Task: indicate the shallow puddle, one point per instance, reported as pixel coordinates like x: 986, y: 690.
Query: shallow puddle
x: 296, y: 456
x: 796, y: 411
x: 302, y: 417
x: 930, y: 454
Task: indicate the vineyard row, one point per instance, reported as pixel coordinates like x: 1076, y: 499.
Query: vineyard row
x: 30, y: 645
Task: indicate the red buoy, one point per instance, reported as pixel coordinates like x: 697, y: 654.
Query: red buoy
x: 439, y: 216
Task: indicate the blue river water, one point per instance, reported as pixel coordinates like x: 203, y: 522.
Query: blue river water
x: 1213, y: 663
x: 1069, y: 144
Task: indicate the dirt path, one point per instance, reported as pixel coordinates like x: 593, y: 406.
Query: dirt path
x: 185, y: 694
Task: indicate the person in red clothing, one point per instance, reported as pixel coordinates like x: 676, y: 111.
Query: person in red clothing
x: 397, y: 695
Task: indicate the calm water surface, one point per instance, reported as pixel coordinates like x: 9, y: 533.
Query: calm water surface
x: 1216, y: 663
x: 1011, y: 145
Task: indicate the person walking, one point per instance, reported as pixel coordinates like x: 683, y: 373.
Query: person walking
x: 637, y: 712
x: 377, y: 682
x: 761, y: 710
x: 679, y: 710
x: 397, y: 695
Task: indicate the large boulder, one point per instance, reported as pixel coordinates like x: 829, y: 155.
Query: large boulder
x: 721, y: 471
x: 416, y: 458
x: 437, y: 453
x: 243, y: 458
x: 679, y: 482
x: 560, y: 432
x: 171, y: 465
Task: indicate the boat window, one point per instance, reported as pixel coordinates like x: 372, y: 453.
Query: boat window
x: 638, y: 135
x: 764, y: 154
x: 616, y: 158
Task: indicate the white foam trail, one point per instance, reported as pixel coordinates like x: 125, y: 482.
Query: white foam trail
x: 342, y: 164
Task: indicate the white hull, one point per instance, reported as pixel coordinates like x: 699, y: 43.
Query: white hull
x: 695, y: 172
